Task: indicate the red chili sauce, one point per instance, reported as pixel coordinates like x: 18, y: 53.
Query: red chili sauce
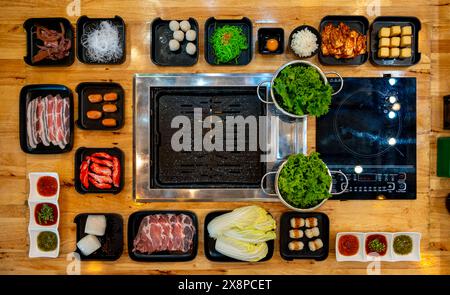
x: 47, y: 186
x: 348, y: 245
x: 376, y: 244
x: 46, y: 214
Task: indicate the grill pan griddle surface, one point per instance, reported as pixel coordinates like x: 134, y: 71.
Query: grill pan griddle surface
x: 194, y: 169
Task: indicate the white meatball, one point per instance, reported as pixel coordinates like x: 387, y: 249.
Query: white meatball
x: 191, y: 35
x: 178, y: 35
x: 191, y: 48
x: 185, y: 26
x: 174, y: 25
x: 174, y: 45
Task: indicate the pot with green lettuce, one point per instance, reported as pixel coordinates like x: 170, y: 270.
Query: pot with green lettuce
x: 300, y: 88
x: 303, y: 182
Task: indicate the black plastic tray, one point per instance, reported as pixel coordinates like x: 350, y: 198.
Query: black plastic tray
x: 312, y: 30
x: 160, y: 53
x: 285, y: 226
x: 112, y: 241
x: 355, y: 22
x: 246, y: 25
x: 51, y: 23
x: 388, y: 21
x: 30, y: 92
x: 134, y: 222
x: 210, y: 243
x: 265, y: 34
x: 447, y: 112
x: 79, y: 156
x: 84, y: 22
x: 87, y: 88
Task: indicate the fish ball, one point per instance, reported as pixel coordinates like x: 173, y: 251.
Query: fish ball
x: 174, y: 45
x: 178, y: 35
x: 185, y: 26
x: 174, y: 25
x: 191, y: 35
x: 191, y: 48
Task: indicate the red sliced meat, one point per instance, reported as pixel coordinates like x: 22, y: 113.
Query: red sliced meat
x: 102, y: 162
x: 102, y: 155
x: 100, y: 170
x: 84, y: 169
x: 99, y: 185
x: 116, y: 172
x: 100, y: 178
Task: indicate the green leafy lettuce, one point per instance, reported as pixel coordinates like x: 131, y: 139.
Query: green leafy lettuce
x: 304, y: 181
x: 300, y: 90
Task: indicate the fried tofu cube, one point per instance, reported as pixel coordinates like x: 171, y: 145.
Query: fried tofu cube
x: 384, y: 42
x: 395, y: 42
x: 395, y: 31
x: 383, y: 52
x: 405, y: 53
x: 407, y: 31
x: 394, y: 52
x: 406, y: 41
x: 384, y: 33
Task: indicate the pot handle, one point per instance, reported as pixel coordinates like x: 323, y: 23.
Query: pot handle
x: 346, y: 182
x: 262, y: 183
x: 340, y: 78
x: 257, y: 92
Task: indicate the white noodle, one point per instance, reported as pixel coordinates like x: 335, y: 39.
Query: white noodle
x: 102, y: 43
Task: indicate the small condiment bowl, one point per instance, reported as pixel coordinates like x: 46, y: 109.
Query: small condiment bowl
x: 359, y: 256
x: 415, y: 253
x: 312, y: 30
x: 34, y: 249
x: 265, y: 34
x: 34, y: 195
x: 33, y: 225
x: 387, y: 256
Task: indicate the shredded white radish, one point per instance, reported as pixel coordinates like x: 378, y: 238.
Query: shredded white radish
x: 102, y: 43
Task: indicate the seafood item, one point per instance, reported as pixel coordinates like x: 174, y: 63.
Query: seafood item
x: 311, y: 222
x: 342, y: 42
x: 55, y: 45
x: 165, y: 232
x: 178, y: 35
x: 95, y: 98
x: 111, y: 96
x: 102, y: 42
x: 191, y: 49
x: 185, y: 26
x: 313, y: 232
x: 109, y: 122
x: 89, y: 244
x: 315, y: 245
x: 297, y: 222
x: 48, y: 121
x: 296, y: 246
x: 191, y: 35
x: 174, y: 45
x: 101, y: 170
x: 94, y: 115
x: 95, y: 225
x: 174, y: 25
x: 109, y: 108
x: 296, y: 233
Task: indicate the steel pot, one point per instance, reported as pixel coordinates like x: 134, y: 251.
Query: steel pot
x: 277, y: 190
x: 301, y: 62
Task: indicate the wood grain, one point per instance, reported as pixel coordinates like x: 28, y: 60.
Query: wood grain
x: 427, y: 214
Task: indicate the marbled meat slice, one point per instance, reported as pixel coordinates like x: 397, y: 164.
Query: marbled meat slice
x: 59, y: 122
x: 66, y: 120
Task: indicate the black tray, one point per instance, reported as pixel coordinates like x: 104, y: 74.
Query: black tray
x: 81, y: 153
x: 312, y: 30
x: 112, y: 241
x: 32, y: 42
x: 265, y: 34
x: 210, y: 243
x: 246, y: 25
x: 388, y: 21
x: 447, y: 112
x: 84, y: 22
x: 160, y: 53
x: 134, y: 222
x: 355, y: 22
x: 87, y: 88
x: 30, y: 92
x: 285, y: 226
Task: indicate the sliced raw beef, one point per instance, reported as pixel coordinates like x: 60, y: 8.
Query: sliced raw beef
x: 66, y: 120
x: 165, y: 232
x: 30, y: 128
x: 50, y: 117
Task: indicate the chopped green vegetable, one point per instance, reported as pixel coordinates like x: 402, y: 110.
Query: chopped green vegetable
x: 377, y: 246
x: 304, y: 181
x: 45, y: 215
x: 403, y: 245
x: 228, y: 42
x: 300, y: 90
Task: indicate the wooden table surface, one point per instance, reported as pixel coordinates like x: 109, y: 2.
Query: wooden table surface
x: 427, y: 214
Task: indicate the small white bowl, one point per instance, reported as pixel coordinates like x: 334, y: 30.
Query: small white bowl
x: 388, y: 255
x: 33, y: 225
x: 33, y: 178
x: 359, y: 256
x: 415, y: 253
x: 35, y: 251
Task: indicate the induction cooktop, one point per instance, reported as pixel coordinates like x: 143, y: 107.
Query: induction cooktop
x: 370, y: 135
